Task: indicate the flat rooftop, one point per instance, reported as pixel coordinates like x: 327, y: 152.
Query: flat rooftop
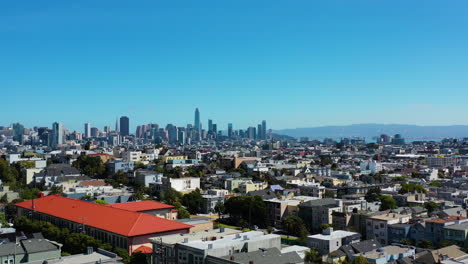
x: 388, y: 250
x: 231, y: 240
x: 390, y: 216
x: 334, y: 235
x: 195, y: 236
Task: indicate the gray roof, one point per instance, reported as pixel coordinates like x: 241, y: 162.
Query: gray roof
x: 269, y: 256
x: 319, y: 202
x: 359, y: 247
x: 9, y: 248
x: 462, y: 226
x: 38, y: 245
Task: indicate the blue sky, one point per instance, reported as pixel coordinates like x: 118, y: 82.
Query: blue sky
x: 293, y: 63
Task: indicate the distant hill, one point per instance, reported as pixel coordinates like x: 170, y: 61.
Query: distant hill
x: 372, y: 130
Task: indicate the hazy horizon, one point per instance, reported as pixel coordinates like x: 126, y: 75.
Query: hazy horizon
x: 294, y: 64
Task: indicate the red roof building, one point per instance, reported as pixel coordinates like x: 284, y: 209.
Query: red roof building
x: 121, y: 228
x: 148, y: 207
x: 144, y: 250
x: 140, y: 206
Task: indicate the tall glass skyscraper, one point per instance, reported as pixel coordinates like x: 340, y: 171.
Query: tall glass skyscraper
x: 197, y: 124
x: 124, y: 126
x: 57, y: 134
x: 264, y: 130
x: 230, y: 130
x: 87, y: 128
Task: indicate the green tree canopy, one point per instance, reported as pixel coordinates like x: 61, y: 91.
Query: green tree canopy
x: 312, y: 257
x: 411, y: 187
x: 170, y: 196
x: 250, y: 208
x: 373, y: 195
x: 387, y: 202
x: 360, y: 260
x: 193, y: 201
x: 90, y: 166
x: 295, y: 226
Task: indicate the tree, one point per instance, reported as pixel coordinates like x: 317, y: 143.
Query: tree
x: 4, y: 198
x: 373, y: 195
x: 87, y: 145
x: 431, y: 206
x: 101, y: 202
x: 123, y: 254
x: 138, y: 258
x: 250, y: 208
x: 312, y: 257
x: 170, y: 196
x: 435, y: 184
x: 387, y: 202
x: 193, y: 201
x: 120, y: 178
x: 425, y: 243
x: 360, y: 260
x: 56, y: 189
x: 329, y: 194
x: 411, y: 187
x: 399, y: 179
x: 407, y: 241
x: 219, y: 208
x: 8, y: 175
x: 295, y: 226
x: 90, y: 166
x: 182, y: 213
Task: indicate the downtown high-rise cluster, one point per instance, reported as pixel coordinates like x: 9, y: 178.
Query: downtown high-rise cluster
x: 148, y: 133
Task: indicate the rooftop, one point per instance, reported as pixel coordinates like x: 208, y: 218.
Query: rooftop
x: 388, y: 250
x: 462, y: 226
x: 271, y: 255
x: 231, y: 240
x: 334, y: 235
x: 119, y: 221
x: 446, y: 219
x: 389, y: 216
x: 198, y: 235
x: 141, y: 206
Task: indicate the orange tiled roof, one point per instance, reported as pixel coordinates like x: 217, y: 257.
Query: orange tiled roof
x: 123, y: 222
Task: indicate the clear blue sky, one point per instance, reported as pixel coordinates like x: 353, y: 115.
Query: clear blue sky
x: 293, y: 63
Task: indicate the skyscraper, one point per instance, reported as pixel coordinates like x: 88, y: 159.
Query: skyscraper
x: 264, y: 130
x: 210, y: 125
x: 230, y: 130
x: 124, y: 126
x: 18, y: 131
x: 251, y: 132
x: 87, y: 130
x: 57, y: 134
x: 117, y: 125
x: 197, y: 123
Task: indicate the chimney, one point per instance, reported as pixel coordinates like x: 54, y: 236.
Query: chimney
x: 185, y: 239
x: 210, y: 246
x: 251, y: 262
x: 246, y: 237
x: 231, y: 258
x: 221, y: 229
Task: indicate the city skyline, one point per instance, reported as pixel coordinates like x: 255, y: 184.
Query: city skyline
x: 322, y: 63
